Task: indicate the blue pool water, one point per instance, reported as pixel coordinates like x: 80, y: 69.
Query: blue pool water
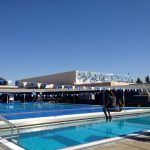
x: 32, y: 110
x: 81, y: 133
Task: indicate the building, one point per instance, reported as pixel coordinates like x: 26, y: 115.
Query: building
x: 76, y: 78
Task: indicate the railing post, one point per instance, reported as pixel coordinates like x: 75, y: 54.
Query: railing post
x: 12, y: 133
x: 7, y: 98
x: 104, y: 97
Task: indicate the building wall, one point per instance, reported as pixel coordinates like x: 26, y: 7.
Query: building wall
x: 86, y: 77
x: 78, y: 78
x: 59, y: 78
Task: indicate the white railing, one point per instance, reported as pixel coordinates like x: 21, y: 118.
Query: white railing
x: 12, y: 128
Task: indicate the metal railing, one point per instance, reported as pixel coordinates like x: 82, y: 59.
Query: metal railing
x: 12, y: 127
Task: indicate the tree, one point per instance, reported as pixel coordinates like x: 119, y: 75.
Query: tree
x: 147, y: 79
x: 131, y: 81
x: 138, y: 80
x: 3, y: 81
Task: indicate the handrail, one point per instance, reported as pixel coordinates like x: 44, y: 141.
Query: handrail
x: 12, y: 126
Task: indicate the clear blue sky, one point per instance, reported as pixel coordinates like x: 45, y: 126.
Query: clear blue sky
x: 40, y: 37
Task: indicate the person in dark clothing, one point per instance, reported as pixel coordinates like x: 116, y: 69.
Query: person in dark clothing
x: 110, y: 105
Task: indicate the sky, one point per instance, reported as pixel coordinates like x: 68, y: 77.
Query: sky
x: 41, y: 37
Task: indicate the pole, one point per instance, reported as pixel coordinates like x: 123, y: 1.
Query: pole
x: 74, y: 97
x: 123, y: 97
x: 7, y: 98
x: 24, y: 95
x: 104, y: 97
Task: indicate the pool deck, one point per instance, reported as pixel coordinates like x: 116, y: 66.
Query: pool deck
x: 138, y: 142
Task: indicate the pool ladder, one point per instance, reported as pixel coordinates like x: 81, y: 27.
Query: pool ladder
x: 13, y: 128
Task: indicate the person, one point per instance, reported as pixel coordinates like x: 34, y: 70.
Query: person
x: 109, y: 105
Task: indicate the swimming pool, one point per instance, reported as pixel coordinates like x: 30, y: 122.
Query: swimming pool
x: 15, y: 111
x: 60, y: 136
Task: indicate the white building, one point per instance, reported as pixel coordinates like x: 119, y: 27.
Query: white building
x: 78, y: 78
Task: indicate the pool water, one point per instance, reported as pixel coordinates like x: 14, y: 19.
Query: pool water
x: 43, y: 109
x: 81, y: 133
